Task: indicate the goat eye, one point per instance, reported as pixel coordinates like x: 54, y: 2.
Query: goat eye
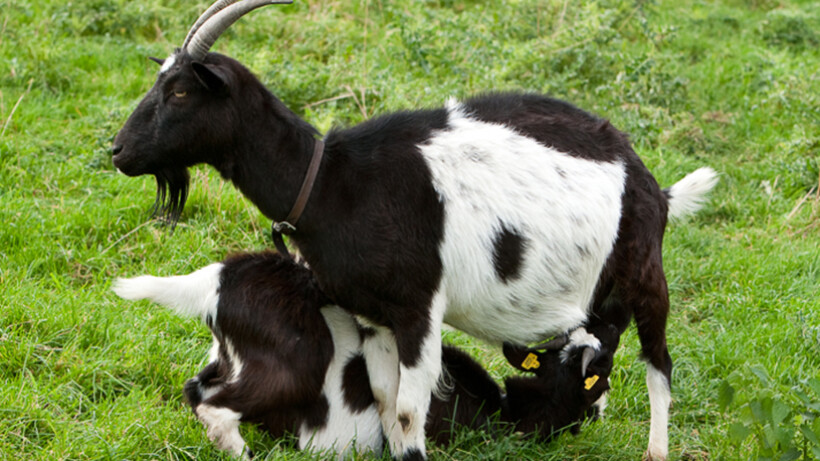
x: 180, y: 94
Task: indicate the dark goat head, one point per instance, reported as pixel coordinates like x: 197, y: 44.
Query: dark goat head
x: 587, y: 367
x: 187, y: 117
x: 569, y: 379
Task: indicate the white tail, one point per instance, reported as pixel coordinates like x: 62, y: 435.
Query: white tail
x: 687, y: 195
x: 192, y: 295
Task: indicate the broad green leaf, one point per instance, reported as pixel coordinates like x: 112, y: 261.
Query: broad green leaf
x: 759, y: 411
x: 784, y: 435
x: 779, y: 411
x: 738, y: 432
x: 769, y: 437
x: 726, y: 394
x: 790, y: 455
x: 809, y: 434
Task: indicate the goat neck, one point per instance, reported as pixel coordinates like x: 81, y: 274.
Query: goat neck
x: 270, y: 166
x: 262, y: 146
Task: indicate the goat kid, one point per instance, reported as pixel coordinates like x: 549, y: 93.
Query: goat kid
x: 512, y: 217
x: 284, y: 358
x: 561, y: 394
x: 570, y: 382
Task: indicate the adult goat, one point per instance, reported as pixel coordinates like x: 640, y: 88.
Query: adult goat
x: 508, y: 216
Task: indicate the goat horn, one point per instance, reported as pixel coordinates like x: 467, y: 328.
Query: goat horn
x: 553, y: 344
x: 586, y: 359
x: 212, y: 10
x: 206, y: 35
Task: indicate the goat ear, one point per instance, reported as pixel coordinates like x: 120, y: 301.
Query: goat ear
x: 157, y: 60
x: 210, y: 76
x: 522, y: 357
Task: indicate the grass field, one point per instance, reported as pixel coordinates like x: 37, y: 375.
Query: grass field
x: 731, y: 84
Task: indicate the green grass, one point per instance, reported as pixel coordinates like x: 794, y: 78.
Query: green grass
x: 732, y: 84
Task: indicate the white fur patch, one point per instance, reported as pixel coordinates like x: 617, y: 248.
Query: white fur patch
x: 566, y: 209
x: 382, y: 358
x: 416, y: 382
x: 660, y: 398
x: 210, y: 391
x: 222, y: 427
x: 688, y: 194
x: 168, y: 64
x: 580, y: 337
x: 213, y: 353
x: 236, y: 361
x: 192, y: 295
x: 345, y: 428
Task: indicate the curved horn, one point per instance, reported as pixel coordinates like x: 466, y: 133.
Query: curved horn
x: 586, y: 359
x: 207, y: 34
x: 212, y: 10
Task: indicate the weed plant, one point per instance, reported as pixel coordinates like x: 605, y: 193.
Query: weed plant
x: 732, y: 84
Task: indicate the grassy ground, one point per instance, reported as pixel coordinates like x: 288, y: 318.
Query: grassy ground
x: 731, y: 84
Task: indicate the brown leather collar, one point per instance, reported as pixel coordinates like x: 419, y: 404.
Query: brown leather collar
x: 288, y: 226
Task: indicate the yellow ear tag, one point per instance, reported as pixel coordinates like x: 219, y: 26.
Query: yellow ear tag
x: 589, y: 382
x: 530, y: 362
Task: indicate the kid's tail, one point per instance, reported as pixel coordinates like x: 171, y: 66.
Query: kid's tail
x: 687, y: 195
x: 192, y: 295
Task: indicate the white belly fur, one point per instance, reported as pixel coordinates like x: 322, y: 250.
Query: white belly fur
x: 488, y: 174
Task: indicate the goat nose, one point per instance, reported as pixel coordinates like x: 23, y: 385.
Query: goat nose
x: 116, y: 149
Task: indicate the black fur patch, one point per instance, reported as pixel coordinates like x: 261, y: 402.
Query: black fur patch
x: 365, y: 332
x: 317, y: 415
x: 192, y: 392
x: 508, y: 254
x: 369, y: 221
x: 404, y: 420
x: 413, y: 454
x: 553, y: 123
x: 358, y: 396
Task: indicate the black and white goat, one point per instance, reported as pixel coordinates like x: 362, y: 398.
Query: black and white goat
x: 512, y: 217
x: 282, y: 355
x: 285, y: 358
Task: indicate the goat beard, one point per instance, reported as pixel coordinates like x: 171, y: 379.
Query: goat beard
x: 172, y: 192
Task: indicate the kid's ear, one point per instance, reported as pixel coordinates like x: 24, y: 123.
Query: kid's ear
x: 522, y: 357
x: 157, y: 60
x: 210, y: 76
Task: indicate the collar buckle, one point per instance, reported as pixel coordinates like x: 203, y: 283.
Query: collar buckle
x: 284, y: 227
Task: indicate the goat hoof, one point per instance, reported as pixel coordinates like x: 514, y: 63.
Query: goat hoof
x: 647, y: 456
